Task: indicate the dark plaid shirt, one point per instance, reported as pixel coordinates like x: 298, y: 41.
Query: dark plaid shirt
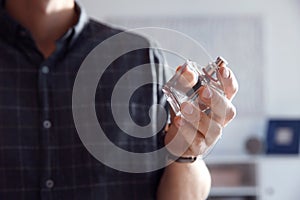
x: 41, y: 155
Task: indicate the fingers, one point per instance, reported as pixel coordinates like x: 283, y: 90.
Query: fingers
x: 228, y: 81
x: 187, y: 78
x: 198, y: 130
x: 190, y: 112
x: 222, y: 109
x: 199, y: 135
x: 192, y: 137
x: 208, y: 128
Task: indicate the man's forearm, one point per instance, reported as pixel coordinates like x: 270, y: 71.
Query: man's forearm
x: 185, y: 181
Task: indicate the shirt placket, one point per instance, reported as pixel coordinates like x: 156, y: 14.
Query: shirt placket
x: 47, y: 179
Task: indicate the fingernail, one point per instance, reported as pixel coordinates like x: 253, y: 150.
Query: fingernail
x: 178, y: 68
x: 206, y: 93
x: 188, y: 109
x: 225, y: 73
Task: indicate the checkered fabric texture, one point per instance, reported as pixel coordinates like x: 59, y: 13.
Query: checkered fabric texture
x: 41, y: 155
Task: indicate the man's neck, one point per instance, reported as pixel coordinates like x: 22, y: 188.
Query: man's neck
x: 47, y: 20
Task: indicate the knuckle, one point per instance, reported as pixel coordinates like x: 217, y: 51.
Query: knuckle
x: 213, y: 133
x: 198, y: 140
x: 231, y: 112
x: 218, y: 129
x: 198, y: 146
x: 235, y: 88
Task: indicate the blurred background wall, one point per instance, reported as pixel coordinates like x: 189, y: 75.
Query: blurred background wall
x: 276, y: 79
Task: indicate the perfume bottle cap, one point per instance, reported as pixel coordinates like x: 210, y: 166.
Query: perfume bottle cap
x: 211, y: 68
x: 220, y: 60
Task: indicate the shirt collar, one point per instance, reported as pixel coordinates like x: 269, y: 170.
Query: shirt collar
x: 72, y: 34
x: 82, y: 21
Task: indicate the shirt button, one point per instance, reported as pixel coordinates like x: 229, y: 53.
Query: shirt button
x: 49, y: 183
x: 45, y: 69
x: 47, y: 124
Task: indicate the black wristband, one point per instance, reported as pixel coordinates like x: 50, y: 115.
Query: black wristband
x: 189, y: 159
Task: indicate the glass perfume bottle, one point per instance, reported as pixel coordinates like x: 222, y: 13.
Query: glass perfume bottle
x: 185, y: 84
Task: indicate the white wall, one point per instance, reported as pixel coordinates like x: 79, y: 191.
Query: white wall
x: 281, y: 29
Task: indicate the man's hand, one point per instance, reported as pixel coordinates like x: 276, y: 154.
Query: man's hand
x: 194, y: 132
x: 197, y: 130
